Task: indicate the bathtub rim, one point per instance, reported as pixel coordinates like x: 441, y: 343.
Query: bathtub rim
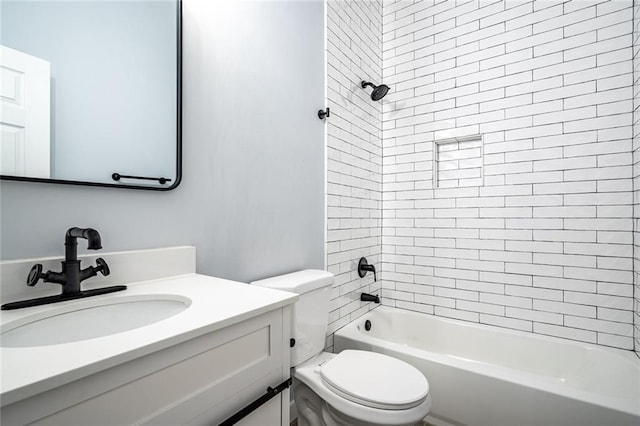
x: 536, y: 381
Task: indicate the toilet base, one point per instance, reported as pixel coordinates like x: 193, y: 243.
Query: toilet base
x: 314, y: 411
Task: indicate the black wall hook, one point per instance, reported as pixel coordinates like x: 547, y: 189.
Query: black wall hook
x: 323, y: 113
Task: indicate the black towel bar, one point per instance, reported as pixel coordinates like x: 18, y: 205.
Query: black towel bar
x: 271, y: 392
x: 118, y: 176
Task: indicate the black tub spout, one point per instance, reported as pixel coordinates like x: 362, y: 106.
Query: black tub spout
x: 366, y: 297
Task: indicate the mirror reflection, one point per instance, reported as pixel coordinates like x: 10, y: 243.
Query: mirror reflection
x: 90, y: 91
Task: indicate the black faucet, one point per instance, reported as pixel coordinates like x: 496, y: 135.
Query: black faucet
x: 364, y: 267
x: 72, y: 275
x: 366, y: 297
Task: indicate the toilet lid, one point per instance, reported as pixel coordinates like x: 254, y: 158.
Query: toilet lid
x: 375, y: 380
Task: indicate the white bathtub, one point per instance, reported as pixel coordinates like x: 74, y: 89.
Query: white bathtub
x: 481, y: 375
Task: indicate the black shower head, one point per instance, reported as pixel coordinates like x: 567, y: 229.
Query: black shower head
x: 378, y: 91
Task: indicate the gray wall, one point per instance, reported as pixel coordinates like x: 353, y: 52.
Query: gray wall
x: 252, y: 195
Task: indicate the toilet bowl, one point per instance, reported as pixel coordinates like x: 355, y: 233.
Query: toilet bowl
x: 350, y: 388
x: 360, y: 387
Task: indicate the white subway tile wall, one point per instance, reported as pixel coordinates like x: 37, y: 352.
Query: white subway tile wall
x: 636, y: 173
x: 544, y: 244
x: 354, y: 164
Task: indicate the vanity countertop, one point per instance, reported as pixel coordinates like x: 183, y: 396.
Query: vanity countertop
x: 215, y: 303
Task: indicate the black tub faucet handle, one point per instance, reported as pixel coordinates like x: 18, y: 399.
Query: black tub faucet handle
x: 364, y: 267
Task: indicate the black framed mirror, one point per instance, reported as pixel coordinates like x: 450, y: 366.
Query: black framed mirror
x: 91, y: 92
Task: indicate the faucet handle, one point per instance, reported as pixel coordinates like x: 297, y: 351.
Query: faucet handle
x: 102, y: 267
x: 364, y: 267
x: 35, y: 274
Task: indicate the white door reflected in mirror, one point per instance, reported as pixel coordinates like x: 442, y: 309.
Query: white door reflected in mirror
x: 24, y: 114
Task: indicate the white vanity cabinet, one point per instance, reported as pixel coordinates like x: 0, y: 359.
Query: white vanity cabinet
x: 199, y: 366
x: 201, y: 380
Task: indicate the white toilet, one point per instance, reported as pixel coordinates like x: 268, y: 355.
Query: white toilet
x: 352, y: 387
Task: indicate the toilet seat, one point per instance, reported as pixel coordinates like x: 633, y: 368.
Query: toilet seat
x: 375, y: 380
x: 309, y: 374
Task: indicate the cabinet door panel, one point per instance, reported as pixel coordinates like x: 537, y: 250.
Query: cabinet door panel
x: 203, y: 380
x: 268, y: 414
x: 141, y: 398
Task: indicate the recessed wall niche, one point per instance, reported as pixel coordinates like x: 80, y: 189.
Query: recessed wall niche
x: 457, y: 162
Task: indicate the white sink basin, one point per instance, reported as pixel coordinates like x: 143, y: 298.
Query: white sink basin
x: 88, y: 320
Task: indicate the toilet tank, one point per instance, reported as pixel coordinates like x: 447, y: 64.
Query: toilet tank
x: 310, y: 314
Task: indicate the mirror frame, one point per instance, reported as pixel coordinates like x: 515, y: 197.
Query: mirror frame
x: 178, y: 178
